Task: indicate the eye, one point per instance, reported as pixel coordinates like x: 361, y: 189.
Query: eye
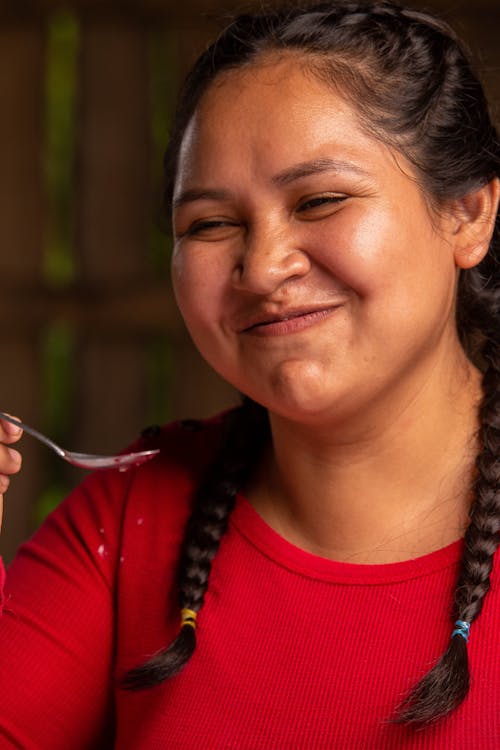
x: 210, y: 229
x: 320, y: 203
x: 203, y: 226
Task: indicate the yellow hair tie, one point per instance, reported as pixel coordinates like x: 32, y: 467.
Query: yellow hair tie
x: 188, y: 617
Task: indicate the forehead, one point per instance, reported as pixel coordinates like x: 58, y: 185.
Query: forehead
x: 261, y: 118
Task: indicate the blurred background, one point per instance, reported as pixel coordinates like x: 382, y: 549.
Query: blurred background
x: 92, y: 347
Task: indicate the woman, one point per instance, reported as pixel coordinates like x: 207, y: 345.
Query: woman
x: 333, y: 178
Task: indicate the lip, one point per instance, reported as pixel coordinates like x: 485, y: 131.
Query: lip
x: 287, y: 321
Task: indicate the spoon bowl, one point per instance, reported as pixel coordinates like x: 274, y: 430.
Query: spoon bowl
x: 121, y: 461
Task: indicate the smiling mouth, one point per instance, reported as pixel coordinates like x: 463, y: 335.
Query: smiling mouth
x: 292, y: 322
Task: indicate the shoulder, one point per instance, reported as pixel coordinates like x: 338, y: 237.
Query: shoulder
x: 108, y: 508
x: 184, y: 445
x: 186, y: 448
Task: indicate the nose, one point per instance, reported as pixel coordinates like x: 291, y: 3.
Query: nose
x: 268, y: 259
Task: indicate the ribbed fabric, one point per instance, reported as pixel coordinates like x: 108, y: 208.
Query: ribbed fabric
x: 294, y: 651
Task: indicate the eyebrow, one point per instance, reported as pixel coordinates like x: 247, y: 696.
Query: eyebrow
x: 306, y: 168
x: 296, y: 172
x: 194, y: 194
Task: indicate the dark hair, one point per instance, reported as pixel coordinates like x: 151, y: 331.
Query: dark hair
x: 420, y: 96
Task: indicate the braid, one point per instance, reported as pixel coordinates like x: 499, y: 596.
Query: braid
x: 447, y: 684
x: 246, y: 430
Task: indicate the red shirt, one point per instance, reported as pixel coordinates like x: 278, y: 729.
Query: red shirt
x: 294, y: 651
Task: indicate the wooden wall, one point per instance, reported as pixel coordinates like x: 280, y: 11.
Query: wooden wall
x: 117, y: 305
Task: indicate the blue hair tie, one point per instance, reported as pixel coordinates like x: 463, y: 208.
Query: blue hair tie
x: 461, y: 628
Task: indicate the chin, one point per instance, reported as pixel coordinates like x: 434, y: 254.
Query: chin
x: 299, y: 391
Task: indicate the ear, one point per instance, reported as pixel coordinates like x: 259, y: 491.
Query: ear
x: 474, y: 218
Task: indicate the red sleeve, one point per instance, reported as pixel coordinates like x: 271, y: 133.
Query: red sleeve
x: 57, y: 625
x: 2, y: 584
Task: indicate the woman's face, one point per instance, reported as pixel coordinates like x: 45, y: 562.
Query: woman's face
x: 307, y: 265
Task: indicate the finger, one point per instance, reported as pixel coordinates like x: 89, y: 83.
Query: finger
x: 10, y: 461
x: 4, y: 486
x: 9, y: 433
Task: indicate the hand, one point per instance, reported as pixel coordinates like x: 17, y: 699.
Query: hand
x: 10, y: 459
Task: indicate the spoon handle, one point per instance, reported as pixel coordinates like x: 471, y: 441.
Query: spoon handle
x: 38, y: 435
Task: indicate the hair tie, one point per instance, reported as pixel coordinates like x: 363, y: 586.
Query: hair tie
x: 461, y: 628
x: 188, y: 617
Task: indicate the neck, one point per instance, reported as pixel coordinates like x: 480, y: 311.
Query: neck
x: 389, y: 486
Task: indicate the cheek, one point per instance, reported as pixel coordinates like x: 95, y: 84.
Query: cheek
x: 186, y: 282
x: 382, y: 251
x: 198, y: 287
x: 358, y: 253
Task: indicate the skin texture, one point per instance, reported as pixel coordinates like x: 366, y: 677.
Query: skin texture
x: 326, y: 292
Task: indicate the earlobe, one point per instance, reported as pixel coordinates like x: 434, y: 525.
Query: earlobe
x: 474, y: 218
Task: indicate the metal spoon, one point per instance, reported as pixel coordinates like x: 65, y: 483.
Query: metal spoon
x: 87, y: 460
